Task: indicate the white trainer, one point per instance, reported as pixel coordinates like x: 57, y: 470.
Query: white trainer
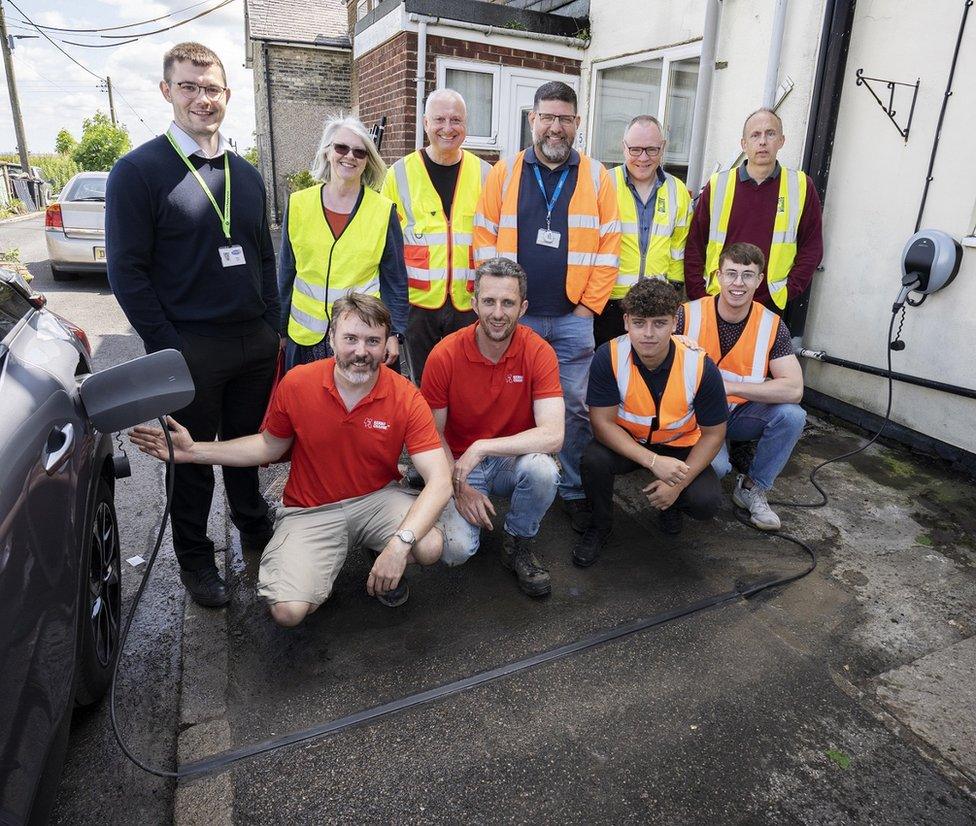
x: 754, y: 501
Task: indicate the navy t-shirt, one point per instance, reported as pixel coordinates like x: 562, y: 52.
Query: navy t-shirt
x: 711, y: 406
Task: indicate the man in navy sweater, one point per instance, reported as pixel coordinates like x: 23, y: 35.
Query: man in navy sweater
x: 190, y: 261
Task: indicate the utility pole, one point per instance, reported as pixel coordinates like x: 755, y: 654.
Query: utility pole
x: 8, y: 64
x: 111, y: 100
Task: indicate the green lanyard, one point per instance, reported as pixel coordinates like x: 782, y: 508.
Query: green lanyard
x: 225, y: 215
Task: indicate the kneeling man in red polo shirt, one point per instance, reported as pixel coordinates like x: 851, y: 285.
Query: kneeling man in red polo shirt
x: 346, y: 419
x: 498, y: 404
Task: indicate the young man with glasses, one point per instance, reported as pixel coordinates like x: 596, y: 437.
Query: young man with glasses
x: 761, y: 203
x: 190, y: 261
x: 655, y: 211
x: 763, y: 381
x: 554, y: 211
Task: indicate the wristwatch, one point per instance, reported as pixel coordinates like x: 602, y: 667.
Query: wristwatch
x: 406, y: 536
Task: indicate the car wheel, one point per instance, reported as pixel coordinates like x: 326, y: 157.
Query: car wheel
x: 101, y: 621
x: 63, y: 275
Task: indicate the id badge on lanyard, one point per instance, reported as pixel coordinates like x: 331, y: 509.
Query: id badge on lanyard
x: 548, y: 237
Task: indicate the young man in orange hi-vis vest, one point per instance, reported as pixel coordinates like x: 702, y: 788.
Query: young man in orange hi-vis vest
x: 436, y: 190
x: 763, y: 381
x: 554, y: 211
x: 655, y: 404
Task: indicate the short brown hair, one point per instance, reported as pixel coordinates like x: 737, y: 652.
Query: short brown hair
x: 502, y: 268
x: 743, y: 253
x: 650, y: 298
x: 189, y: 52
x: 370, y: 310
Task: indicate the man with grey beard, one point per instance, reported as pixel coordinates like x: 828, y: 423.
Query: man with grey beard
x: 554, y: 211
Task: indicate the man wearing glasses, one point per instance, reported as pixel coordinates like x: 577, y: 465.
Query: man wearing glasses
x: 763, y: 381
x: 655, y: 211
x: 435, y: 190
x: 191, y: 263
x: 761, y: 203
x: 554, y: 211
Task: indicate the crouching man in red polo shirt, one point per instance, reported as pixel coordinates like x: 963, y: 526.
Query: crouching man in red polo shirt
x: 346, y: 419
x: 497, y: 401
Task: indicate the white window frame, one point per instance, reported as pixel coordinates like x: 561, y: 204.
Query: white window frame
x: 476, y: 141
x: 668, y: 56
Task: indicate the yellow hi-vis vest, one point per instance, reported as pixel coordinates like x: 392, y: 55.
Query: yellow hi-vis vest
x: 677, y: 425
x: 782, y: 251
x: 328, y: 267
x: 437, y: 248
x: 664, y: 258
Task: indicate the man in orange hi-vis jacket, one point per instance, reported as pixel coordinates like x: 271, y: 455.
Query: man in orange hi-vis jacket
x: 554, y: 211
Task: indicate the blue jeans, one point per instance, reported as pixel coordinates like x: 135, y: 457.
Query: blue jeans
x: 571, y: 337
x: 778, y: 428
x: 529, y: 481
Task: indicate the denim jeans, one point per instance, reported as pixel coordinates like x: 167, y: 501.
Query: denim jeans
x: 778, y: 428
x: 571, y: 337
x: 529, y: 481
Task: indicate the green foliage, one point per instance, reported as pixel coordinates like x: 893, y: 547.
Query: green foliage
x: 65, y: 142
x: 102, y: 144
x: 251, y: 156
x: 57, y: 169
x: 515, y: 25
x: 839, y: 758
x: 300, y: 180
x: 14, y: 207
x: 10, y: 256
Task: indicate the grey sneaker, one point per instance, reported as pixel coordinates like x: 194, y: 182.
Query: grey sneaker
x: 754, y: 501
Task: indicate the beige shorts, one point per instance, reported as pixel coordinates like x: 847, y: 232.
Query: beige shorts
x: 309, y: 545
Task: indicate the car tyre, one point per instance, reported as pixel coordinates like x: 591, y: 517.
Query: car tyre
x: 63, y: 275
x: 102, y: 603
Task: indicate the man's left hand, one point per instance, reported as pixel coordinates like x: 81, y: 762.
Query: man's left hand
x: 467, y: 462
x: 662, y: 495
x: 387, y: 570
x: 392, y: 350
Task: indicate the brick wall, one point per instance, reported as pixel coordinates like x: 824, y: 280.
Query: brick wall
x: 384, y: 79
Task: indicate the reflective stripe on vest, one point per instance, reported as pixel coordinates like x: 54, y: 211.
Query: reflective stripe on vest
x: 791, y: 199
x: 748, y: 360
x: 438, y: 252
x: 656, y: 262
x: 327, y: 268
x: 636, y: 411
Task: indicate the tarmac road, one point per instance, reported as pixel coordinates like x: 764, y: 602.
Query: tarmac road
x: 98, y: 783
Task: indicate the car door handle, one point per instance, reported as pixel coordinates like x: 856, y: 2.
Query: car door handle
x: 57, y: 448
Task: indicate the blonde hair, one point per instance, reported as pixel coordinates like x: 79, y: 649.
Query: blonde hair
x: 375, y: 171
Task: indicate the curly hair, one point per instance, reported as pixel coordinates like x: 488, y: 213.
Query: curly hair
x: 650, y: 298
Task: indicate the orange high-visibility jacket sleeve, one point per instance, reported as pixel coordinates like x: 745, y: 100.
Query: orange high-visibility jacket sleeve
x: 487, y: 214
x: 604, y: 274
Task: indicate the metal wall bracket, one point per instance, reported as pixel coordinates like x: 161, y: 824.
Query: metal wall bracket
x: 889, y: 109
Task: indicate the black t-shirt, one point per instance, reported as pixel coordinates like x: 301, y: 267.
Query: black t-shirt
x: 730, y: 331
x: 711, y: 406
x: 444, y: 178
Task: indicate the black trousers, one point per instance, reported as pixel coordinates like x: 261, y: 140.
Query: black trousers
x: 700, y: 500
x: 610, y: 323
x: 426, y: 327
x: 233, y: 378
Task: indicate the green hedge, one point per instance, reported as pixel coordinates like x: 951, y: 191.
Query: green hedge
x: 57, y: 169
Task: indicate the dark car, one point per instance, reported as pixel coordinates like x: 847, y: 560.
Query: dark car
x: 60, y: 589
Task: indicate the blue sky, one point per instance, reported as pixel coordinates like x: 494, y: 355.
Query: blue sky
x: 56, y: 94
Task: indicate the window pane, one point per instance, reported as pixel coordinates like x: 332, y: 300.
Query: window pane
x: 525, y: 134
x: 680, y: 109
x: 475, y: 88
x: 622, y: 93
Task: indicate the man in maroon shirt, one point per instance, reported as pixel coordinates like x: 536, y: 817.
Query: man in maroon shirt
x: 759, y: 195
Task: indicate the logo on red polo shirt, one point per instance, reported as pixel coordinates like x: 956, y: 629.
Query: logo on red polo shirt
x: 375, y: 424
x: 514, y: 378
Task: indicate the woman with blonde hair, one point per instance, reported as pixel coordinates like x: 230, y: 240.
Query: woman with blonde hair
x: 337, y: 236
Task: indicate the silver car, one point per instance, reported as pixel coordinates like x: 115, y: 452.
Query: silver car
x: 60, y: 585
x: 74, y: 227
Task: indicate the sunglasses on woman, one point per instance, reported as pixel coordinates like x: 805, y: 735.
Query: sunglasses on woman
x: 344, y: 149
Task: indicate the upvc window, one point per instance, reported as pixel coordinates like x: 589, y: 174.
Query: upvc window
x: 479, y: 85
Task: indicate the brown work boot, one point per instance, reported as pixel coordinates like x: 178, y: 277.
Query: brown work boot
x: 517, y: 556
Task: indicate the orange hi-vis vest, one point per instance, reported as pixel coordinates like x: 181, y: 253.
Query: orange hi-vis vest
x: 593, y: 245
x: 748, y: 360
x: 636, y: 413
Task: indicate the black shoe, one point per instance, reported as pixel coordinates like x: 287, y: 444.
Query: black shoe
x: 741, y: 455
x: 670, y: 521
x: 254, y: 543
x: 206, y: 587
x: 587, y: 549
x: 517, y: 556
x: 578, y: 511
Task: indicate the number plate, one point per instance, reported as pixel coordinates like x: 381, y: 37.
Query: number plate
x: 99, y: 253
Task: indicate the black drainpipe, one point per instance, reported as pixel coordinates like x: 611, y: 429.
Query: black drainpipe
x: 835, y: 41
x: 274, y: 172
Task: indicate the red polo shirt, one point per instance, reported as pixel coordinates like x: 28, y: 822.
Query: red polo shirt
x: 485, y: 400
x: 338, y: 454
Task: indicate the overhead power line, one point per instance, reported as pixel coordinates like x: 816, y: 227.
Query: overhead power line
x: 125, y: 100
x: 174, y: 26
x: 127, y: 25
x: 56, y: 46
